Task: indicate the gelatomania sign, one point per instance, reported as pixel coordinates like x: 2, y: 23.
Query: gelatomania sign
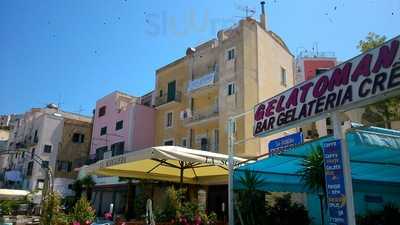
x: 366, y: 78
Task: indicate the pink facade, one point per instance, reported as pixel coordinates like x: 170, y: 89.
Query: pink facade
x: 309, y: 67
x: 125, y: 123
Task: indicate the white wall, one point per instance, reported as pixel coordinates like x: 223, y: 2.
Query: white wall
x: 61, y: 186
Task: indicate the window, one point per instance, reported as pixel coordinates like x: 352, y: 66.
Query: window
x: 119, y: 125
x: 45, y: 164
x: 161, y: 93
x: 171, y: 94
x: 328, y: 121
x: 216, y: 140
x: 320, y: 71
x: 102, y: 111
x: 117, y: 148
x: 33, y: 153
x: 103, y: 131
x: 204, y: 144
x: 40, y: 184
x: 231, y: 89
x: 78, y: 138
x: 234, y: 127
x: 47, y: 148
x: 184, y: 142
x: 29, y: 169
x: 230, y: 54
x: 169, y: 142
x: 64, y: 166
x: 168, y: 120
x: 283, y: 77
x: 35, y: 137
x: 100, y: 153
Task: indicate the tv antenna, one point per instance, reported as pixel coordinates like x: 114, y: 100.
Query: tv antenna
x: 80, y: 110
x: 247, y: 10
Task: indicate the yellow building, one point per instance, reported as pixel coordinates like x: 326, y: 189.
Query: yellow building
x: 196, y: 94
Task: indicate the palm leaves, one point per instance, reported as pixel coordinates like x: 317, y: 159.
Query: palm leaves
x: 86, y: 183
x: 312, y: 173
x: 251, y: 201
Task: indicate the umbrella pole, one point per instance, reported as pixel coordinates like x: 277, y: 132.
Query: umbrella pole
x: 181, y: 177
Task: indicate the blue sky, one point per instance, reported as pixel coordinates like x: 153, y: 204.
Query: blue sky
x: 76, y: 51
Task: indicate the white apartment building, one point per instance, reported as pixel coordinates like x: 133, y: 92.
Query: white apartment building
x: 43, y: 133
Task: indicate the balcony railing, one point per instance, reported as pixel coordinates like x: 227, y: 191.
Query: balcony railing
x: 168, y: 98
x: 203, y: 81
x: 203, y: 114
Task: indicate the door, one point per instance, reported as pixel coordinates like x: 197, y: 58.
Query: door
x: 217, y: 201
x: 171, y: 91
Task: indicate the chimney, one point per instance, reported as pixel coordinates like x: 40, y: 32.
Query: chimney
x: 263, y: 16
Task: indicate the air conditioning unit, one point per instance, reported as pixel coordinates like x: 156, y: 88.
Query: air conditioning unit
x: 185, y: 114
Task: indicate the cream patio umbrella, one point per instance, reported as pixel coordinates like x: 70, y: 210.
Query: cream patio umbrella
x: 167, y: 163
x: 6, y: 194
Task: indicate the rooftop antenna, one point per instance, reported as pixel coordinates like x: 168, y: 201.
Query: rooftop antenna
x: 59, y: 102
x: 80, y: 109
x: 248, y: 11
x: 315, y: 49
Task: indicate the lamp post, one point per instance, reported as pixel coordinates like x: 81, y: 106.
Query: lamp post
x: 231, y: 167
x: 231, y: 140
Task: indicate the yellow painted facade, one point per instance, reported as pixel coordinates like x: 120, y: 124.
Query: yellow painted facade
x: 219, y: 79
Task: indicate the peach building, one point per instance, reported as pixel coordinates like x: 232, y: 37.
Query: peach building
x: 121, y: 123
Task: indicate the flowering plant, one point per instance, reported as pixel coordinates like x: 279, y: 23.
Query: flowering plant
x: 82, y: 213
x: 189, y: 214
x: 108, y: 216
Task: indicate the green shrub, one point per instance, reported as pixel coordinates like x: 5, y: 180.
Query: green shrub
x: 285, y: 212
x: 140, y: 205
x: 170, y: 205
x: 389, y: 215
x: 51, y: 211
x: 8, y: 207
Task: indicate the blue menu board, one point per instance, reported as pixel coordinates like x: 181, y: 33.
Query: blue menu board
x: 334, y: 181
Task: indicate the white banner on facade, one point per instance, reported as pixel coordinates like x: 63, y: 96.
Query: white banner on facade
x: 369, y: 77
x: 203, y: 81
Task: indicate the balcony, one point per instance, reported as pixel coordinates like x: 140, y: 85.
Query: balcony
x: 202, y: 115
x: 168, y: 98
x: 205, y: 82
x: 20, y: 145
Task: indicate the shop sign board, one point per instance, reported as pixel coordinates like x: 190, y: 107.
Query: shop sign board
x: 334, y: 181
x: 284, y: 143
x: 367, y: 78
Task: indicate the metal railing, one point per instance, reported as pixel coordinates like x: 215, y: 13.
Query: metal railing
x: 161, y: 100
x: 206, y: 80
x: 203, y: 114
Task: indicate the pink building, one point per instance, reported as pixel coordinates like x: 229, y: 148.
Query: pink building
x: 309, y: 66
x: 121, y: 124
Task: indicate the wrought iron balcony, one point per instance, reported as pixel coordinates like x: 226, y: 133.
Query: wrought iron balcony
x: 161, y: 100
x: 202, y: 115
